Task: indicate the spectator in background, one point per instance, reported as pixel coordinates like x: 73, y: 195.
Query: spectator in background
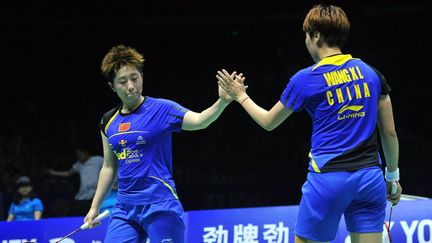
x: 88, y: 167
x: 25, y: 205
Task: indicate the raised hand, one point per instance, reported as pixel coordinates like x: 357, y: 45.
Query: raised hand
x: 233, y: 84
x: 223, y: 94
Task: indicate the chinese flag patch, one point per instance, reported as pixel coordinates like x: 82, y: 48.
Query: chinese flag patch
x: 123, y: 127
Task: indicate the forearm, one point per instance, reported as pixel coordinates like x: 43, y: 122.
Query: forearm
x: 387, y: 130
x: 106, y: 179
x: 390, y: 145
x: 237, y: 90
x: 60, y: 173
x: 268, y: 120
x: 209, y: 115
x: 197, y: 121
x: 257, y: 113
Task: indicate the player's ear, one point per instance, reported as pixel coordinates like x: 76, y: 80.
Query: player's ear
x: 316, y: 36
x: 318, y: 39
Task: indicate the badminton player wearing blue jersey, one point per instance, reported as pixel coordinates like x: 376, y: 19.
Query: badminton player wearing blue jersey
x: 136, y: 138
x: 348, y: 101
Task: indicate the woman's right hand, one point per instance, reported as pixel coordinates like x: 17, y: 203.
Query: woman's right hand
x: 91, y: 215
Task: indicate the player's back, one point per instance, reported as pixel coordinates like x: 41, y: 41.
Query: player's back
x: 341, y: 95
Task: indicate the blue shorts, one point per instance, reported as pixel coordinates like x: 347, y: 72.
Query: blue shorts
x: 159, y: 222
x: 359, y: 195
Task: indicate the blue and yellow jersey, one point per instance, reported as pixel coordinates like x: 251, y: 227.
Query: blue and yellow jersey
x: 341, y: 94
x: 141, y: 140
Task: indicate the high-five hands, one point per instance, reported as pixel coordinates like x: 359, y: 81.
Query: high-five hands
x: 223, y: 94
x: 232, y: 84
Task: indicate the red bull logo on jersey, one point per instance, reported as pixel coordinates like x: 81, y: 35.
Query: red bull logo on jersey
x: 123, y: 142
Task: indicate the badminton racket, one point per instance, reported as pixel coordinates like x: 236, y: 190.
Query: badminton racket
x: 86, y: 225
x: 394, y: 188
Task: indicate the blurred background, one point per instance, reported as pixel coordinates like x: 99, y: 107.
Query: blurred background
x: 53, y: 94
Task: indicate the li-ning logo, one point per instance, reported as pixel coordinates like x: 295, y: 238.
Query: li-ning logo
x: 354, y: 114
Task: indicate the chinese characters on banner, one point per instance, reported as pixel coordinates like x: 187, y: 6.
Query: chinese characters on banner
x: 249, y: 233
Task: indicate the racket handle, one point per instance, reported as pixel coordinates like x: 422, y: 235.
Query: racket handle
x: 85, y: 225
x: 105, y: 214
x: 101, y: 216
x: 394, y: 187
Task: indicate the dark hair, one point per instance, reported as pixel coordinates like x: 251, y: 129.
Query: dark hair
x: 118, y: 57
x: 330, y: 21
x: 16, y: 198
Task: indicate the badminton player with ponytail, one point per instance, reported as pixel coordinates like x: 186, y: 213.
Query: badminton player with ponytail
x: 349, y: 104
x: 136, y: 138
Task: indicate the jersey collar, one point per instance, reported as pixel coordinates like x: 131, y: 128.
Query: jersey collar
x: 336, y: 60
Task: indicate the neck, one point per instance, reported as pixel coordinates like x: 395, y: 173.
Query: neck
x: 129, y: 107
x: 329, y: 51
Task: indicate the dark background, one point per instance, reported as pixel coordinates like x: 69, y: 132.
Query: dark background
x: 53, y: 95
